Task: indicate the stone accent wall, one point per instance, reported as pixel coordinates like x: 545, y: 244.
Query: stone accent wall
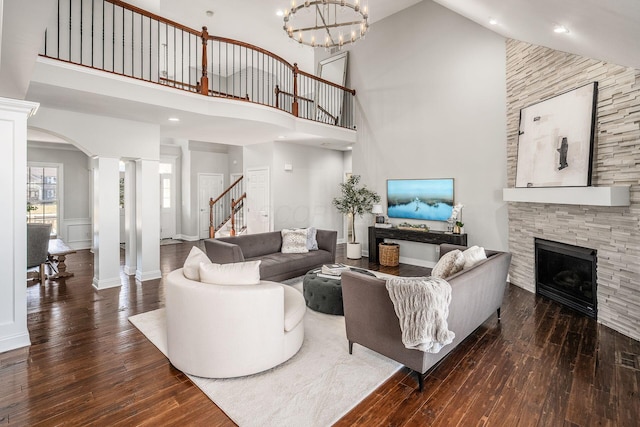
x: 535, y: 73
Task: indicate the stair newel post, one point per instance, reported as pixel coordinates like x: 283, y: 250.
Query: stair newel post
x: 204, y: 80
x: 212, y: 230
x: 294, y: 105
x: 277, y: 92
x: 233, y: 217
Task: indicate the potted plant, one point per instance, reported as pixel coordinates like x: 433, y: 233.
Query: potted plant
x: 458, y: 229
x: 355, y: 200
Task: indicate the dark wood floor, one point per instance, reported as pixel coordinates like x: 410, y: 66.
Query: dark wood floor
x: 542, y: 365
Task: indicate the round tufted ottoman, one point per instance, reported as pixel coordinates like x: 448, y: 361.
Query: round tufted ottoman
x: 323, y: 294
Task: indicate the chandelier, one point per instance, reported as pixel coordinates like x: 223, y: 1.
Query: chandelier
x: 326, y: 23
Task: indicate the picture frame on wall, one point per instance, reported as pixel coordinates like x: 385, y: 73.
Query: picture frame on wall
x: 555, y: 140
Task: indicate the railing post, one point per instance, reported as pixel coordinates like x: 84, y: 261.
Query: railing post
x: 294, y: 105
x: 212, y: 229
x: 277, y: 92
x: 233, y: 217
x: 204, y: 81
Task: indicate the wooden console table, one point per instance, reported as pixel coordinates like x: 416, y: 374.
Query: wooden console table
x: 377, y: 236
x: 58, y: 251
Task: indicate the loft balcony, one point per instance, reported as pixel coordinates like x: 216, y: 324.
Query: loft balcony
x: 96, y: 52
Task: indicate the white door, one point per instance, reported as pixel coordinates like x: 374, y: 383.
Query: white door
x: 167, y: 200
x: 258, y: 201
x: 210, y: 185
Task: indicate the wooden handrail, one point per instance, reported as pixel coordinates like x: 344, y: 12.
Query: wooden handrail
x: 212, y: 201
x: 278, y: 92
x: 321, y: 80
x: 334, y: 118
x: 153, y: 16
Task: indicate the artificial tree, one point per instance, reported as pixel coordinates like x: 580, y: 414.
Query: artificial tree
x: 355, y: 200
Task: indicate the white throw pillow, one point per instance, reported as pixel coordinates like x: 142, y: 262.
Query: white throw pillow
x: 473, y: 255
x: 294, y: 241
x: 449, y: 264
x: 312, y: 243
x: 236, y: 273
x: 191, y: 267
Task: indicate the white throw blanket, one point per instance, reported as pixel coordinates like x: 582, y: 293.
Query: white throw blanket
x: 422, y: 305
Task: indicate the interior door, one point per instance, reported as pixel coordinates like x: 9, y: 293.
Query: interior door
x: 210, y: 185
x: 167, y: 200
x: 258, y: 201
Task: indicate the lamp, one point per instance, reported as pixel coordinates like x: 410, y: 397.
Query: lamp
x: 377, y: 210
x: 326, y: 23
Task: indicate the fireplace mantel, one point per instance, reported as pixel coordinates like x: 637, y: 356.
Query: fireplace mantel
x: 591, y: 196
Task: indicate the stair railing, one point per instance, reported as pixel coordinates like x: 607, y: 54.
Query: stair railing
x: 228, y: 206
x: 119, y: 38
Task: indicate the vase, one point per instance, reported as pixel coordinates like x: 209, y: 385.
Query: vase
x: 354, y: 250
x: 456, y: 229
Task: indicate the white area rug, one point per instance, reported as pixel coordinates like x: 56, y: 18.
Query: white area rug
x: 316, y: 387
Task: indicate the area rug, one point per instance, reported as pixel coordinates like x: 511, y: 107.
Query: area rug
x: 316, y: 387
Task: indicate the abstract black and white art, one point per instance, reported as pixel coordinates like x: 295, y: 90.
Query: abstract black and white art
x: 555, y: 140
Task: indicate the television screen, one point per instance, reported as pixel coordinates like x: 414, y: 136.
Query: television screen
x: 425, y: 199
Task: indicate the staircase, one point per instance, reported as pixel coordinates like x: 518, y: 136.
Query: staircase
x: 226, y: 211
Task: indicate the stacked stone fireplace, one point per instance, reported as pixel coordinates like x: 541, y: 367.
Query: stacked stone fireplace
x: 535, y: 73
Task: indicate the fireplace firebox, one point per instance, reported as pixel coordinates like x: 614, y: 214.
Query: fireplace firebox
x: 567, y: 274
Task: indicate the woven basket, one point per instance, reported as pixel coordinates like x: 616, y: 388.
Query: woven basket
x: 389, y: 254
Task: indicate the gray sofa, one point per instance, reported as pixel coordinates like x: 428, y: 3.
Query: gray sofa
x: 476, y: 293
x: 275, y: 265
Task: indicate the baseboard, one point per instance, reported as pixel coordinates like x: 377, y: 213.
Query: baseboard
x: 148, y: 275
x: 106, y: 283
x: 187, y: 238
x: 418, y: 262
x: 14, y: 342
x: 129, y: 270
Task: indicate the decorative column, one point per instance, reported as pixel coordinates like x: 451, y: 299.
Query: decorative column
x: 148, y: 220
x: 106, y: 223
x: 13, y: 233
x: 131, y: 240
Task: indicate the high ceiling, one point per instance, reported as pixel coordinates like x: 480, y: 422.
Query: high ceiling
x: 601, y: 29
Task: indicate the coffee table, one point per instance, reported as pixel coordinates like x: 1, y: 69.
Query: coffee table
x: 324, y: 294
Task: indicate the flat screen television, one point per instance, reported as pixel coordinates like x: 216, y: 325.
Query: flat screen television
x: 424, y: 199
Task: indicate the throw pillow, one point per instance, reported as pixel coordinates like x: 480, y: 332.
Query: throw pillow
x: 191, y: 267
x: 473, y: 255
x: 294, y: 241
x: 236, y: 273
x: 449, y: 264
x: 312, y: 243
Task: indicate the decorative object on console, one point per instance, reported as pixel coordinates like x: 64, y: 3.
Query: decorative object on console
x: 555, y: 140
x: 377, y: 211
x: 408, y: 226
x: 458, y: 228
x: 355, y: 200
x: 456, y: 215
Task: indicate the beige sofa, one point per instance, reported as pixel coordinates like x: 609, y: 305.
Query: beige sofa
x: 371, y: 321
x: 223, y: 331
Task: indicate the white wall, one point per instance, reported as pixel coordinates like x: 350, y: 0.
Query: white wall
x: 430, y: 101
x: 75, y: 223
x: 310, y: 186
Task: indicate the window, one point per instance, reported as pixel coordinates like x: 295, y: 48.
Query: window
x: 42, y: 195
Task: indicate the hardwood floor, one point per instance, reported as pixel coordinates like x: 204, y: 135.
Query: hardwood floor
x: 542, y: 365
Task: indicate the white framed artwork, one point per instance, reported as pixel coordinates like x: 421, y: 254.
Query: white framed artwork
x: 555, y: 140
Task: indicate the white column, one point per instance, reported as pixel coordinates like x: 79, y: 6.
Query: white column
x: 106, y: 219
x: 131, y: 251
x: 13, y: 232
x: 148, y: 219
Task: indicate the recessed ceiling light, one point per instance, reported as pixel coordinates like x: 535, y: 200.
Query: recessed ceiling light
x: 349, y: 148
x: 280, y: 12
x: 493, y: 21
x: 280, y: 136
x: 174, y: 119
x: 560, y: 29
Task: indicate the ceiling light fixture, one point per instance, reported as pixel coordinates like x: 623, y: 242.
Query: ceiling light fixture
x: 174, y: 119
x: 326, y: 23
x: 279, y: 12
x: 561, y: 29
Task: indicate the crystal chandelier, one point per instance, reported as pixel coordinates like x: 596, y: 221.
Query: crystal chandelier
x: 326, y: 23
